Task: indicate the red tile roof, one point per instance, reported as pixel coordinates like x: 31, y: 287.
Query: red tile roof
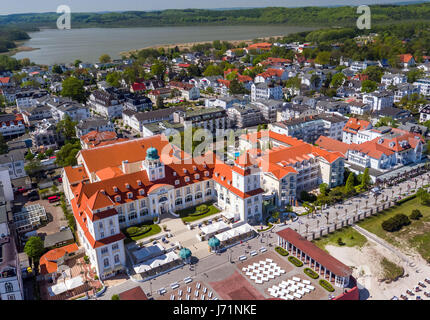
x: 48, y: 262
x: 76, y: 174
x: 322, y: 257
x: 133, y: 294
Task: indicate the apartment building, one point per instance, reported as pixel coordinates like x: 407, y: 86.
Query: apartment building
x: 265, y: 91
x: 212, y: 119
x: 11, y: 125
x: 240, y: 116
x: 105, y: 104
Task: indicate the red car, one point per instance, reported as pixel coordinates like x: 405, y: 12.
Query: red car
x: 53, y: 199
x: 21, y: 190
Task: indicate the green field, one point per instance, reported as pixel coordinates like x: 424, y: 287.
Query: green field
x: 349, y: 237
x: 416, y: 235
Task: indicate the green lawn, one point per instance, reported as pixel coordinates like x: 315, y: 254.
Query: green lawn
x: 189, y: 214
x: 416, y: 235
x: 154, y: 229
x: 350, y: 238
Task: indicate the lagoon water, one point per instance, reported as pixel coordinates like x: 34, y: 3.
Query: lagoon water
x: 64, y: 46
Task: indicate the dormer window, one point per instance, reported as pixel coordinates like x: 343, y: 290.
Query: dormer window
x: 187, y: 179
x: 222, y: 178
x: 127, y: 185
x: 205, y: 165
x: 102, y: 191
x: 216, y: 174
x: 206, y: 173
x: 185, y: 170
x: 115, y: 189
x: 197, y: 176
x: 229, y: 182
x: 174, y: 173
x: 194, y: 168
x: 117, y: 198
x: 130, y: 195
x: 141, y: 192
x: 139, y: 183
x: 176, y: 182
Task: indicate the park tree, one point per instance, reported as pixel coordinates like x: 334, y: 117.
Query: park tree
x: 33, y: 167
x: 34, y: 249
x: 160, y: 102
x: 323, y: 58
x: 66, y: 127
x: 349, y: 186
x: 213, y: 70
x: 236, y: 87
x: 114, y: 79
x: 337, y: 80
x: 365, y: 180
x: 375, y: 73
x: 105, y: 58
x: 324, y: 189
x: 74, y: 88
x: 57, y: 69
x: 158, y: 69
x: 368, y: 86
x: 67, y: 154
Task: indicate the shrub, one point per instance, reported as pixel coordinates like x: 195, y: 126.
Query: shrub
x: 311, y: 273
x: 281, y: 251
x: 395, y: 223
x: 416, y: 214
x: 86, y: 259
x: 115, y: 297
x: 326, y: 285
x: 137, y: 231
x: 295, y: 261
x: 132, y: 231
x: 340, y: 242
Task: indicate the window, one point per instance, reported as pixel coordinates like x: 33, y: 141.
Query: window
x: 141, y: 192
x: 143, y: 204
x: 198, y: 195
x: 130, y: 195
x: 178, y: 193
x: 8, y: 287
x: 189, y: 198
x: 102, y: 234
x: 115, y: 246
x: 101, y: 225
x: 208, y: 192
x: 132, y: 216
x: 111, y: 222
x: 104, y: 250
x: 187, y: 179
x: 11, y: 297
x: 131, y: 206
x: 116, y: 259
x: 112, y: 232
x: 106, y: 262
x: 119, y: 210
x: 121, y: 219
x: 176, y: 182
x: 178, y: 201
x: 188, y: 190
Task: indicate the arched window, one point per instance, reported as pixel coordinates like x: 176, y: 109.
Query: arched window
x: 199, y: 195
x: 208, y: 192
x: 162, y: 199
x: 189, y: 198
x: 178, y: 201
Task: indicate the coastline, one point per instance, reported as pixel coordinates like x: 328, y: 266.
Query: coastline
x: 19, y: 48
x: 188, y: 45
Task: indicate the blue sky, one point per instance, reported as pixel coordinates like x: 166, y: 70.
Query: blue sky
x: 26, y: 6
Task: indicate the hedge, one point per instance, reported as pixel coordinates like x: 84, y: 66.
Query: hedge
x: 395, y: 223
x: 326, y: 285
x: 136, y: 231
x: 281, y: 251
x: 406, y: 199
x: 311, y: 273
x: 295, y: 261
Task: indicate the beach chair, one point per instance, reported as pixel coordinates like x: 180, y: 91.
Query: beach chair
x: 298, y: 296
x: 198, y: 285
x: 306, y: 282
x: 296, y: 279
x: 187, y: 297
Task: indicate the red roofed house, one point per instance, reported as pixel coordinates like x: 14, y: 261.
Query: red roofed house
x: 125, y: 184
x: 97, y: 139
x: 137, y: 87
x: 5, y: 82
x: 352, y: 128
x: 271, y: 75
x: 259, y: 47
x: 406, y: 60
x: 328, y: 267
x: 55, y: 258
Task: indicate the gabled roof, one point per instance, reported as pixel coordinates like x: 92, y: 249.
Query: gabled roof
x: 48, y: 262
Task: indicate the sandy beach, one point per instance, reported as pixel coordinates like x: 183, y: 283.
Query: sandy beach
x: 188, y: 45
x: 368, y: 271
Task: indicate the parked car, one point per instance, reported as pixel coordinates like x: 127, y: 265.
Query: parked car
x: 53, y: 199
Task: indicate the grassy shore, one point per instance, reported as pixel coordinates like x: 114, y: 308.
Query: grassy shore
x: 349, y: 238
x: 416, y: 235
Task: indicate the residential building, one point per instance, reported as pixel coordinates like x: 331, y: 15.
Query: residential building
x: 14, y: 162
x: 212, y: 119
x: 136, y: 120
x: 243, y: 116
x: 93, y: 124
x: 379, y: 100
x: 266, y: 91
x: 105, y: 104
x: 352, y: 128
x: 11, y: 125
